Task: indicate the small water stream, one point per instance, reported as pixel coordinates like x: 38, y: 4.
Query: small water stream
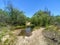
x: 28, y: 31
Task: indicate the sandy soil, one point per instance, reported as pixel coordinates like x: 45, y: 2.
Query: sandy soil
x: 36, y: 38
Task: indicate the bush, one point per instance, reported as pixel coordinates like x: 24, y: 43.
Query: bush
x: 7, y: 37
x: 17, y: 27
x: 2, y: 24
x: 52, y: 27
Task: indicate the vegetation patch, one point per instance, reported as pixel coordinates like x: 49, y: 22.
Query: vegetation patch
x: 52, y: 35
x: 7, y: 37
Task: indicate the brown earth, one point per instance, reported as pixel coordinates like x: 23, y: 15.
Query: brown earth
x: 36, y: 38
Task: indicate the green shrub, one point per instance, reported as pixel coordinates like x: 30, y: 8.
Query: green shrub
x: 8, y: 41
x: 2, y: 24
x: 52, y: 27
x: 17, y: 27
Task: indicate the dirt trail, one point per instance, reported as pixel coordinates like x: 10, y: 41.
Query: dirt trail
x: 35, y: 39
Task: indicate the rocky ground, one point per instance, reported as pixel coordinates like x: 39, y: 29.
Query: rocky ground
x: 36, y: 38
x: 52, y: 37
x: 41, y: 36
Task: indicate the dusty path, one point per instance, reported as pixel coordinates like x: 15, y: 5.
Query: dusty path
x: 35, y: 39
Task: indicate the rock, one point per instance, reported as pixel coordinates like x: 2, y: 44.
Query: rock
x: 52, y: 37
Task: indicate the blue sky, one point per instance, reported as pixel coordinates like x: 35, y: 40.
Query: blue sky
x: 32, y: 6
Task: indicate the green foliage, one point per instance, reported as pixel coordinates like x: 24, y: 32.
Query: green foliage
x: 16, y: 17
x: 17, y: 27
x: 57, y: 18
x: 7, y: 37
x: 41, y: 18
x: 51, y: 27
x: 3, y: 17
x: 28, y: 19
x: 12, y: 16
